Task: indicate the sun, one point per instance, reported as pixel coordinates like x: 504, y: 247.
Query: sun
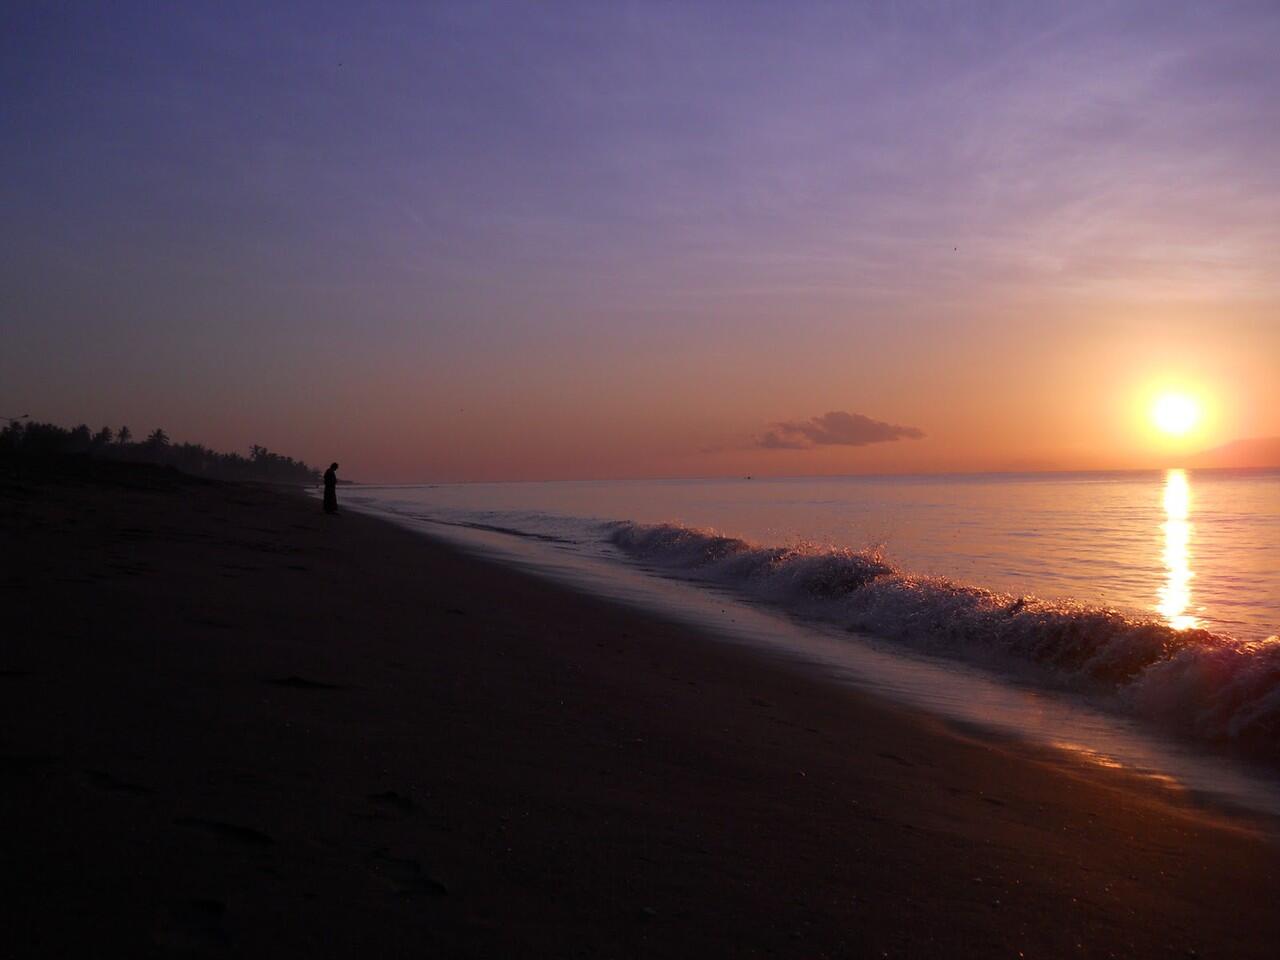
x: 1175, y: 414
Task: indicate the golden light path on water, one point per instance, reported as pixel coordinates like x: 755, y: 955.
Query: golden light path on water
x: 1175, y: 595
x: 946, y: 687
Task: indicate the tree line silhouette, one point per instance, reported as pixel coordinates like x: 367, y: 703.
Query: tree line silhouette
x: 32, y: 440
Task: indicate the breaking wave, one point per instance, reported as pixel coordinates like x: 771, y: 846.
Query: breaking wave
x: 1197, y: 683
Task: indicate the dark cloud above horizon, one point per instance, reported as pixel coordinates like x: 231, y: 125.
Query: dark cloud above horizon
x: 836, y: 428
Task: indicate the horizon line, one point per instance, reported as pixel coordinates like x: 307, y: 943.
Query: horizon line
x: 887, y: 475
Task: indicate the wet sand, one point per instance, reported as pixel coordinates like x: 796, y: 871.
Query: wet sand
x: 231, y: 725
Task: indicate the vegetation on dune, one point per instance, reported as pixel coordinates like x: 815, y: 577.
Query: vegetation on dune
x: 28, y: 440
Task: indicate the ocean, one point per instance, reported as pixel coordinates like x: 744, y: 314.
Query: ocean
x: 1127, y: 617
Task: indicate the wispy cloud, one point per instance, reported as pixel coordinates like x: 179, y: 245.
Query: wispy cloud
x: 836, y: 428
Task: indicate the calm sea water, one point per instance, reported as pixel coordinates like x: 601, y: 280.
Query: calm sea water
x: 1091, y: 611
x: 1197, y: 548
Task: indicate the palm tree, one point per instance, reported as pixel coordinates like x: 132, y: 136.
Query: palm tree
x: 124, y: 436
x: 158, y: 439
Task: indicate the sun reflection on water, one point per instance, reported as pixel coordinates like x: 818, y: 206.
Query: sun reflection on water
x: 1175, y: 595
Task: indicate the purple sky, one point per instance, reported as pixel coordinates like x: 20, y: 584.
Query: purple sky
x: 510, y: 240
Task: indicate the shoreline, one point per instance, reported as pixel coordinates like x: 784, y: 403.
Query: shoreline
x: 1065, y: 725
x: 231, y: 722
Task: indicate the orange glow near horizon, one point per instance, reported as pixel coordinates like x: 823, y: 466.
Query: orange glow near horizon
x: 1175, y: 595
x: 498, y: 273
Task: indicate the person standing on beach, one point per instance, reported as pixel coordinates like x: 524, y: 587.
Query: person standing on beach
x: 331, y: 489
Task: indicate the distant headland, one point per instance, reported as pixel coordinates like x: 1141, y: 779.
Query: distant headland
x: 25, y: 442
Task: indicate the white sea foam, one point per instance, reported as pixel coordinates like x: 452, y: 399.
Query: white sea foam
x: 1198, y: 683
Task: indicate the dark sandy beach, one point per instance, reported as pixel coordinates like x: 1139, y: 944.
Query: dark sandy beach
x: 231, y: 725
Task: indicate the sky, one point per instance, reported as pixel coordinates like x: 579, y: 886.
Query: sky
x: 528, y: 241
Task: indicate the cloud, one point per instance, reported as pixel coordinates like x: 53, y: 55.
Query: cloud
x: 836, y: 428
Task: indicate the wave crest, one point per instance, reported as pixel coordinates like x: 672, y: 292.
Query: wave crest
x: 1200, y: 683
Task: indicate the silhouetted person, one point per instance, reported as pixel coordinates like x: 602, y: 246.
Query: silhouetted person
x: 331, y: 489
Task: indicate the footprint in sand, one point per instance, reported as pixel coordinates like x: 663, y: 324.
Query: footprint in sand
x: 896, y: 759
x: 228, y: 831
x: 406, y: 876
